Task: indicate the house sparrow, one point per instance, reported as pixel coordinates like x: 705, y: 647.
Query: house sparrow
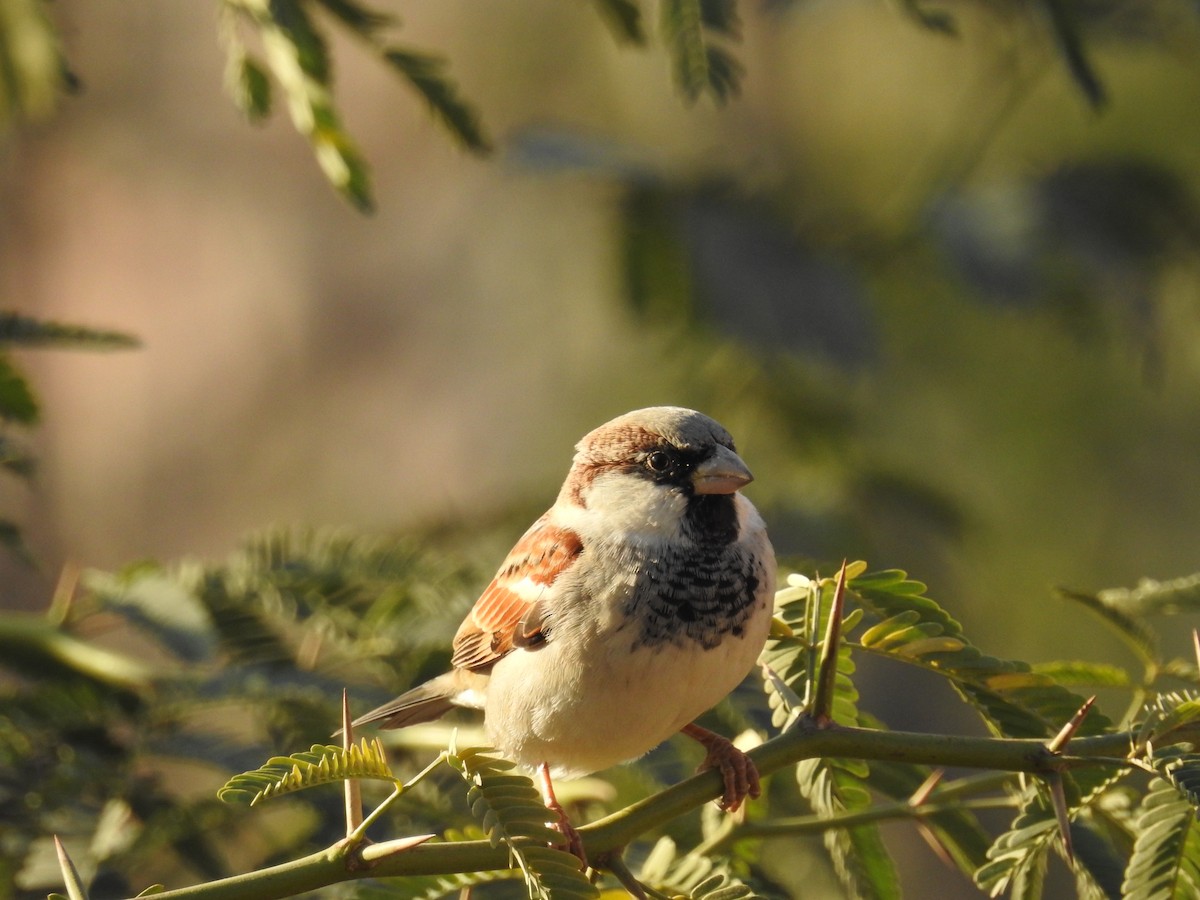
x: 637, y: 602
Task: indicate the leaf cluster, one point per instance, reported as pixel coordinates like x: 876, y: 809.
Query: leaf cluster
x: 251, y: 654
x: 891, y: 618
x: 288, y: 41
x: 221, y: 663
x: 19, y: 407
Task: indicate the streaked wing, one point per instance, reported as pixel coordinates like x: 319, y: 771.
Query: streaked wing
x: 494, y: 625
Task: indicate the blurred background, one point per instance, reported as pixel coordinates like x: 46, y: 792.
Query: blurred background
x: 942, y: 289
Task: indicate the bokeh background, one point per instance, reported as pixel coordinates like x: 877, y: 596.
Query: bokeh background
x: 947, y: 302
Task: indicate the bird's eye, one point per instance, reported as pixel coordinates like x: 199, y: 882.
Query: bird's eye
x: 658, y: 461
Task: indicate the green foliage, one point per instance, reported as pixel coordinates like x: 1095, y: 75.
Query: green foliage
x: 512, y: 815
x: 19, y: 406
x: 252, y: 653
x: 692, y: 30
x: 625, y: 17
x: 692, y: 875
x: 1165, y: 864
x: 295, y: 51
x: 1013, y: 700
x: 235, y: 659
x: 33, y: 70
x: 323, y: 764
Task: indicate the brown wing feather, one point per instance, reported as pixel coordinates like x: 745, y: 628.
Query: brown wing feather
x: 490, y: 630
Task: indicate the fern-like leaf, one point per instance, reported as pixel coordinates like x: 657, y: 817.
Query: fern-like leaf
x: 296, y: 53
x: 322, y: 764
x: 357, y: 17
x: 428, y: 76
x: 625, y: 17
x: 1123, y: 619
x: 691, y: 875
x: 1083, y: 673
x: 23, y: 331
x: 1181, y: 769
x: 511, y: 812
x: 1150, y: 596
x: 423, y: 887
x: 699, y: 64
x: 149, y: 598
x: 1013, y: 700
x: 1018, y: 857
x: 861, y: 861
x: 831, y: 786
x: 1166, y: 856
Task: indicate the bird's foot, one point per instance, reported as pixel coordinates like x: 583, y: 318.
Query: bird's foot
x: 562, y: 824
x: 736, y: 768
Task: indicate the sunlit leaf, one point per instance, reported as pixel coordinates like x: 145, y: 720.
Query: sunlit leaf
x: 320, y: 765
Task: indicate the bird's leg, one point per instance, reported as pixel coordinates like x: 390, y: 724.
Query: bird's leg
x: 741, y: 777
x: 563, y: 824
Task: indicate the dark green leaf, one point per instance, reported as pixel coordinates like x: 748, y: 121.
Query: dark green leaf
x: 1096, y: 856
x: 721, y: 16
x: 1070, y: 43
x: 724, y: 73
x: 357, y: 17
x: 625, y: 17
x: 1136, y: 634
x: 292, y: 28
x: 427, y: 75
x: 24, y: 331
x: 699, y: 65
x: 17, y: 403
x: 1018, y: 857
x: 251, y: 88
x: 1166, y: 856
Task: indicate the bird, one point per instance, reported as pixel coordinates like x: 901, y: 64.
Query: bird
x: 638, y: 601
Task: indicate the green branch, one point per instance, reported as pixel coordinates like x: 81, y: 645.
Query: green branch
x: 615, y: 831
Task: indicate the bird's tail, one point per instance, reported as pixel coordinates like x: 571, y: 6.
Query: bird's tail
x: 424, y: 703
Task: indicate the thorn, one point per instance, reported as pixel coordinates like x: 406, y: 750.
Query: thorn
x: 353, y: 795
x: 1067, y: 732
x: 1058, y: 797
x: 374, y: 853
x: 822, y: 707
x: 921, y: 794
x: 1196, y: 646
x: 71, y: 879
x: 935, y: 844
x: 63, y: 598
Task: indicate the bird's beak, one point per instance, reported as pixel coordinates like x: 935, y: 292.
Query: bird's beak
x: 722, y: 473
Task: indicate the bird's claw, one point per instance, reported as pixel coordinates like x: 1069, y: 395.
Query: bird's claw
x: 737, y: 769
x: 572, y: 842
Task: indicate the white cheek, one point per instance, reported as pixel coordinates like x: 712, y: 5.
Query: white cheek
x: 634, y: 506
